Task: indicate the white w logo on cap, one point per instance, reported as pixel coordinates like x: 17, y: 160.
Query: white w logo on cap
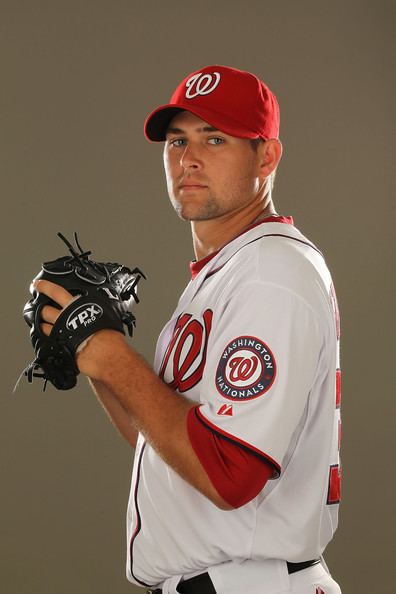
x: 201, y: 84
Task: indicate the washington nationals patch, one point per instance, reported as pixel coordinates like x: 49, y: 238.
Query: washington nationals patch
x: 246, y: 370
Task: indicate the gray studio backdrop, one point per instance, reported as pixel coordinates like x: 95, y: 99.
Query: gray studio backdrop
x: 77, y: 80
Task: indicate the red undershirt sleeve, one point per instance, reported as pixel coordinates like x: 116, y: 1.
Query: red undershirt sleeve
x: 237, y: 474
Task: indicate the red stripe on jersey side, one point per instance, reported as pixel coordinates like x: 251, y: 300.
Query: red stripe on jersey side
x: 243, y: 444
x: 237, y: 474
x: 334, y: 491
x: 338, y: 388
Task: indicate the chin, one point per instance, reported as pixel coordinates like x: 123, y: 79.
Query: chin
x: 185, y: 212
x: 192, y: 211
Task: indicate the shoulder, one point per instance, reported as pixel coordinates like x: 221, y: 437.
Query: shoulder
x: 281, y: 256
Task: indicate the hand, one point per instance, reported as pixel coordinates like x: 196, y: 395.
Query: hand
x: 93, y: 356
x: 58, y: 294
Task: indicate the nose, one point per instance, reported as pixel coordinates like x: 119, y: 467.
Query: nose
x: 190, y: 158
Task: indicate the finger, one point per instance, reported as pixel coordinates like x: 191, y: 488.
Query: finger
x: 54, y: 292
x: 50, y: 314
x: 46, y: 328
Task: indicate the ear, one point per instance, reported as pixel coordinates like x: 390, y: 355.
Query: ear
x: 270, y: 153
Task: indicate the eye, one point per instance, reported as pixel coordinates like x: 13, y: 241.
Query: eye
x: 216, y: 140
x: 177, y: 142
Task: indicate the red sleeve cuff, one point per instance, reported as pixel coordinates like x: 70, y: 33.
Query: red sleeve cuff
x: 237, y: 474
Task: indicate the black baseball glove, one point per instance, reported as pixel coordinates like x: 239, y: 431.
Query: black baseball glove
x: 104, y: 294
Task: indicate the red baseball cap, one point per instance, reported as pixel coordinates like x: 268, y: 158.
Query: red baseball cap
x: 233, y: 101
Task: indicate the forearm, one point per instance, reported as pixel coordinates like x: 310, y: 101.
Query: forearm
x: 131, y: 387
x: 157, y: 411
x: 115, y: 411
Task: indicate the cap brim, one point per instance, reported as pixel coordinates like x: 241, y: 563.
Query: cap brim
x: 158, y: 121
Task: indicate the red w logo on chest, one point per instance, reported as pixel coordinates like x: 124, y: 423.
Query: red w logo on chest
x: 184, y: 360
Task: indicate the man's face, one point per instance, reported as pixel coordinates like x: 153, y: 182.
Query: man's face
x: 209, y: 174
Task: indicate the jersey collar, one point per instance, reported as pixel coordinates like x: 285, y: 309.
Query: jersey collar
x: 197, y: 266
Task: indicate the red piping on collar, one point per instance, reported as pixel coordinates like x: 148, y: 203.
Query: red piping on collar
x: 196, y: 266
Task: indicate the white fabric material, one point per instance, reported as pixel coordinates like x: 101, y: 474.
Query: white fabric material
x: 314, y: 580
x: 264, y: 577
x: 250, y: 577
x: 169, y: 586
x: 278, y: 291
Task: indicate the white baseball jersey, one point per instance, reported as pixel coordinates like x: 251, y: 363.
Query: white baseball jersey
x: 254, y: 342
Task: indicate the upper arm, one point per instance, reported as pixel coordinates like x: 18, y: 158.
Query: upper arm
x: 264, y: 349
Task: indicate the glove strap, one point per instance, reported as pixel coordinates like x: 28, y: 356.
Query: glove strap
x: 85, y: 316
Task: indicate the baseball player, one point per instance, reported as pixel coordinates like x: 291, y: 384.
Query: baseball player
x: 236, y: 480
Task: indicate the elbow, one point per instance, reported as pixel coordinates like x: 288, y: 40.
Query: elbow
x: 223, y: 505
x: 214, y: 496
x: 233, y: 499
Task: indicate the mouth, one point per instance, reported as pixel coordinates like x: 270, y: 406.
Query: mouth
x: 192, y: 186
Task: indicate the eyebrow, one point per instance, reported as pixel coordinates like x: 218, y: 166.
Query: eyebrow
x: 181, y: 131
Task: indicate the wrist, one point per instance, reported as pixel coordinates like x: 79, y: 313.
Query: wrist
x: 100, y: 353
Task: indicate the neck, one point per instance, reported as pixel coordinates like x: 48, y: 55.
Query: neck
x: 209, y: 236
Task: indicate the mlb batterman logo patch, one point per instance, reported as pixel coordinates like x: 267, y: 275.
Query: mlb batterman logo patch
x: 246, y: 369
